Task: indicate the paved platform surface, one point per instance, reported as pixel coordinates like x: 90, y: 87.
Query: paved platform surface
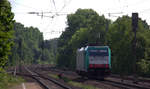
x: 27, y: 85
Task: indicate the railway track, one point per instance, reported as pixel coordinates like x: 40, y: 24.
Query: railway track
x: 126, y: 85
x: 116, y: 81
x: 127, y: 81
x: 45, y: 82
x: 131, y: 78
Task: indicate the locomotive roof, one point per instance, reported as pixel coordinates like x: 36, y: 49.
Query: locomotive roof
x: 96, y: 47
x: 92, y: 47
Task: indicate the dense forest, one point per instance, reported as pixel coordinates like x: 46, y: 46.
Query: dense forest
x: 85, y: 26
x: 30, y: 48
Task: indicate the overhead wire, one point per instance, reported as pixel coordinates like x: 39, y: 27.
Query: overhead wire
x: 54, y: 4
x: 26, y: 6
x: 36, y: 12
x: 58, y: 13
x: 65, y: 5
x: 52, y: 16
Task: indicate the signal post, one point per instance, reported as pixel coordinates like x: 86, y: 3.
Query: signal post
x: 134, y: 28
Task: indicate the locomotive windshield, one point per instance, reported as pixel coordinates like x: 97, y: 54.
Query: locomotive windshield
x: 98, y: 56
x: 101, y: 52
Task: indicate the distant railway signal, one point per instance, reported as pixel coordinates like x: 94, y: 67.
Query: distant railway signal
x: 134, y: 21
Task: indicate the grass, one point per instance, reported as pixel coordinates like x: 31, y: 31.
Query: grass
x: 7, y: 81
x: 73, y: 83
x: 54, y: 76
x: 83, y: 86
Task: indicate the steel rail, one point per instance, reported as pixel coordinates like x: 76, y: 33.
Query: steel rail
x: 37, y: 77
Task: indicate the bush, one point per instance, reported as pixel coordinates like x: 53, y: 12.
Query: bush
x: 144, y: 67
x: 7, y: 80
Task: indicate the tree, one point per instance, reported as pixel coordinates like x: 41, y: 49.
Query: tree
x: 27, y: 45
x: 51, y: 47
x: 120, y: 39
x: 83, y: 28
x: 6, y: 31
x: 30, y: 47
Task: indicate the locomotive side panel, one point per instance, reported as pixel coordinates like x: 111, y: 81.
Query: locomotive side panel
x: 80, y: 60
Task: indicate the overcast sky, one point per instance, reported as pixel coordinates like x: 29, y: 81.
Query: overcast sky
x: 52, y: 27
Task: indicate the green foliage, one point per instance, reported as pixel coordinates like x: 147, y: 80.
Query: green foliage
x: 144, y: 66
x: 27, y: 45
x: 120, y: 39
x: 80, y: 38
x: 83, y: 28
x: 8, y: 80
x: 30, y: 47
x: 6, y: 42
x: 49, y: 51
x: 6, y: 31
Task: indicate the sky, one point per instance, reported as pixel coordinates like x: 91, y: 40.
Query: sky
x: 53, y: 22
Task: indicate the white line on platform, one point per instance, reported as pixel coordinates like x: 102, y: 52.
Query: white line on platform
x: 23, y: 86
